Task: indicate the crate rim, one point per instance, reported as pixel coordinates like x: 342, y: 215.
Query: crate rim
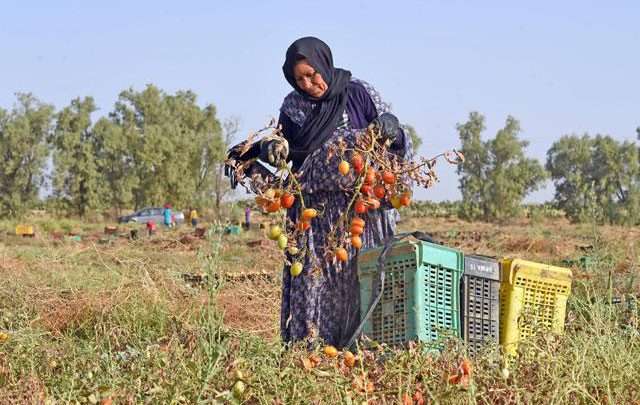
x: 561, y: 274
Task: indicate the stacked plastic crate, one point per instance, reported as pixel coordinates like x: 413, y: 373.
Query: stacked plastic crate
x: 533, y: 300
x: 420, y: 297
x: 480, y: 293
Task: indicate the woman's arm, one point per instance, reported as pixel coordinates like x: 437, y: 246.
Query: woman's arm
x: 372, y: 106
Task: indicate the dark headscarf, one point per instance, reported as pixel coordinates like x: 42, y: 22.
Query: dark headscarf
x: 323, y: 120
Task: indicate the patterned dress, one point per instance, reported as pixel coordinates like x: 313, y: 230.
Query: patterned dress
x: 323, y: 301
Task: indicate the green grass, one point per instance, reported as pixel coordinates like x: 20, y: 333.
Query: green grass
x: 90, y: 322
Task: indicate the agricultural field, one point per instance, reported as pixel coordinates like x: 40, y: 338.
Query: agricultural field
x: 174, y: 318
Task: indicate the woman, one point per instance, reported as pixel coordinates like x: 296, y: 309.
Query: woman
x: 323, y: 301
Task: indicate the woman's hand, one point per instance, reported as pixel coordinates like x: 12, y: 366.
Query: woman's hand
x: 386, y: 126
x: 232, y: 160
x: 274, y: 151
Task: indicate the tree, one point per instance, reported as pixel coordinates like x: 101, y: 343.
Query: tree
x: 221, y: 183
x: 23, y: 153
x: 472, y: 172
x: 173, y: 144
x: 76, y: 178
x: 496, y: 175
x: 114, y: 157
x: 596, y: 178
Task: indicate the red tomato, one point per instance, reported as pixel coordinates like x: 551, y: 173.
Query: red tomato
x: 360, y: 207
x: 366, y: 189
x: 357, y: 162
x: 287, y: 200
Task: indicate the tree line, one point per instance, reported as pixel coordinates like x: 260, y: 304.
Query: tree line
x: 596, y: 177
x: 154, y: 147
x: 151, y: 148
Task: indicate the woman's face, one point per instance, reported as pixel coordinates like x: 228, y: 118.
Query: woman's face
x: 309, y: 81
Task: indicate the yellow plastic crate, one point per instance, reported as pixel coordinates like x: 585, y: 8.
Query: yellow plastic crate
x: 533, y: 299
x: 24, y: 230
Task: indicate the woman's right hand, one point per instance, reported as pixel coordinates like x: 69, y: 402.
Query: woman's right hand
x: 233, y: 159
x: 274, y: 151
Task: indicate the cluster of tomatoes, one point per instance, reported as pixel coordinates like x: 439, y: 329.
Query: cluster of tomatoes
x: 372, y: 187
x: 377, y: 186
x: 273, y: 201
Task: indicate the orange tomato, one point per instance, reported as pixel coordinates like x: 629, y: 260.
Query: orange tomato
x: 357, y: 221
x: 360, y: 207
x: 343, y: 168
x: 356, y: 242
x: 405, y: 200
x: 349, y: 359
x: 287, y: 200
x: 342, y: 255
x: 379, y: 191
x: 330, y: 351
x: 303, y: 225
x: 308, y: 214
x: 388, y: 177
x: 466, y: 367
x: 356, y: 230
x: 273, y: 206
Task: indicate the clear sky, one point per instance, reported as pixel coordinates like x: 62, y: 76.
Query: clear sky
x: 557, y: 66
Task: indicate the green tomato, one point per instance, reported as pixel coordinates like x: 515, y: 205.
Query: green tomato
x: 238, y: 389
x: 274, y: 232
x: 296, y: 269
x: 293, y: 250
x: 282, y: 241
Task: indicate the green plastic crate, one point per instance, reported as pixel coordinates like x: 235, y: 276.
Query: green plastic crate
x: 421, y: 296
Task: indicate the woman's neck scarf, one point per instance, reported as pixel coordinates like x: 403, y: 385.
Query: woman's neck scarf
x: 323, y: 120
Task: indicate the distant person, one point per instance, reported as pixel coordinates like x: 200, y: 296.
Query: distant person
x: 247, y: 218
x: 168, y: 216
x: 151, y: 228
x: 193, y: 217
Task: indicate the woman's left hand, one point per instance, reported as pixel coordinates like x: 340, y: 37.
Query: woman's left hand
x: 386, y: 126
